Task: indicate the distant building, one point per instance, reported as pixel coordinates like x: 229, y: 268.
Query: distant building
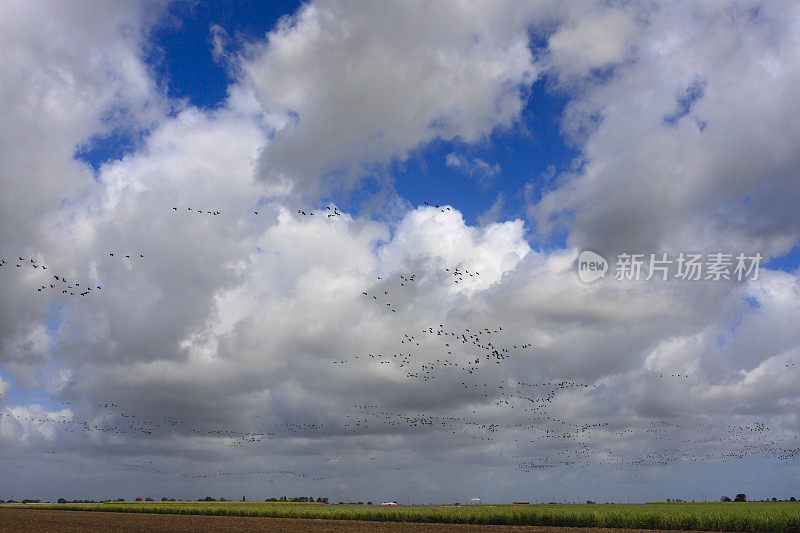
x: 475, y: 501
x: 389, y: 503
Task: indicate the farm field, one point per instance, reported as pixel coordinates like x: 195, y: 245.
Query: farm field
x: 15, y: 520
x: 751, y: 516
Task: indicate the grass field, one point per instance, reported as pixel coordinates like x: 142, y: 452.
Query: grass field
x: 751, y: 516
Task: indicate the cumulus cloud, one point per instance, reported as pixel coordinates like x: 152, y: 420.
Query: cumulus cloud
x: 68, y: 73
x: 592, y: 38
x: 363, y: 85
x: 4, y: 386
x: 27, y: 423
x: 233, y: 340
x: 668, y: 166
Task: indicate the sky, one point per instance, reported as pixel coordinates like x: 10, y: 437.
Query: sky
x: 334, y: 249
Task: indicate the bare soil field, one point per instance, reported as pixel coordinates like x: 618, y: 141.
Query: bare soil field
x: 28, y: 520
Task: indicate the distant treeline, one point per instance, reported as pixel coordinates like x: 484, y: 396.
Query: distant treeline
x: 310, y: 499
x: 298, y: 499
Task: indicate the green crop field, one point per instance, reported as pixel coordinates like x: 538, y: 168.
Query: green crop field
x: 751, y: 516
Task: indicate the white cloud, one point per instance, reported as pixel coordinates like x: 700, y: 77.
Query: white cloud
x: 29, y: 422
x: 68, y: 72
x: 687, y: 145
x: 366, y: 84
x: 592, y: 38
x: 492, y: 214
x: 232, y: 322
x: 476, y: 168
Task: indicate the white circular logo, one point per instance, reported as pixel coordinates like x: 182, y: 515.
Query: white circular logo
x: 591, y: 266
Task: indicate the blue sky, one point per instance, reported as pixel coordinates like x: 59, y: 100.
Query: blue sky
x: 181, y: 56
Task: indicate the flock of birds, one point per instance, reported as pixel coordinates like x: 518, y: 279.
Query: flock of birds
x: 201, y: 212
x: 76, y: 289
x: 330, y: 212
x: 438, y: 340
x: 541, y: 439
x: 467, y: 363
x: 58, y: 283
x: 443, y: 209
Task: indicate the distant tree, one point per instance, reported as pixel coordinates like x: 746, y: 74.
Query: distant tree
x: 62, y: 500
x: 590, y: 502
x: 148, y: 499
x: 724, y: 499
x: 792, y: 499
x: 137, y: 500
x: 774, y: 499
x: 369, y: 503
x: 740, y: 498
x: 120, y: 499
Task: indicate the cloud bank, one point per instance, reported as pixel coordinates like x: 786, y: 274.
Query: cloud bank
x: 243, y: 335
